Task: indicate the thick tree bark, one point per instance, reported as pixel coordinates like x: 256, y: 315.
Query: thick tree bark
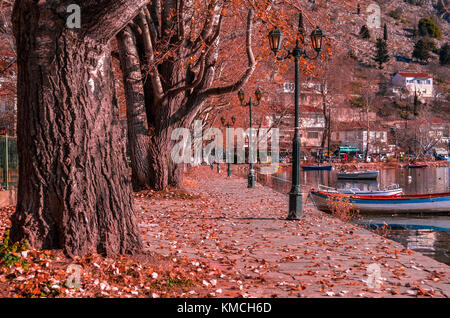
x: 74, y: 191
x: 138, y: 134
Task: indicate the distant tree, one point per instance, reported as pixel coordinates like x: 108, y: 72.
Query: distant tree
x: 427, y: 27
x: 364, y: 32
x: 358, y: 9
x: 444, y: 54
x: 416, y: 104
x: 385, y: 34
x: 382, y: 55
x: 421, y: 50
x: 430, y: 44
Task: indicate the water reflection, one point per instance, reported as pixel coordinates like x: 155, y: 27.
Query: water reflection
x: 366, y: 185
x: 422, y: 240
x: 413, y: 181
x: 426, y: 234
x: 434, y: 244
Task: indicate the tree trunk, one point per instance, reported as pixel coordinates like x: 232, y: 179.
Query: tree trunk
x: 164, y: 172
x: 325, y: 115
x: 138, y: 133
x: 175, y: 87
x: 74, y: 191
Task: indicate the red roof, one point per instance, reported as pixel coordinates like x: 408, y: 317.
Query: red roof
x: 310, y: 109
x: 439, y: 121
x: 414, y: 74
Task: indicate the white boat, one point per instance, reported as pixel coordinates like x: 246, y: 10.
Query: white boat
x: 392, y: 189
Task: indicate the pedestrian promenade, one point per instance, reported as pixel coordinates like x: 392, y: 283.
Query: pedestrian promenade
x: 243, y: 232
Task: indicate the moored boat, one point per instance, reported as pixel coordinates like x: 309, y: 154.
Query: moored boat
x: 389, y: 204
x: 309, y: 168
x: 367, y: 174
x: 416, y: 166
x: 392, y: 189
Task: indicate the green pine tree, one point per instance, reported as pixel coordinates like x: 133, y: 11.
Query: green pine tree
x: 444, y: 54
x: 364, y: 32
x: 382, y: 55
x: 421, y: 50
x: 385, y: 33
x: 416, y: 104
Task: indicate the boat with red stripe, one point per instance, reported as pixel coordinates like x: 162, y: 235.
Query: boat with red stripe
x: 438, y: 203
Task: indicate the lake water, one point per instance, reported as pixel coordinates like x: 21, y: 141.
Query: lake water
x: 429, y: 235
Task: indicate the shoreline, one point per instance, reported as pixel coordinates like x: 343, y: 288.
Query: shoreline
x: 341, y: 165
x: 244, y: 233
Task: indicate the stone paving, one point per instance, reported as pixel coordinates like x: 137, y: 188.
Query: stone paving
x: 244, y: 233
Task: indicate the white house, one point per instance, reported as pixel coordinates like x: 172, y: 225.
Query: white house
x: 421, y: 83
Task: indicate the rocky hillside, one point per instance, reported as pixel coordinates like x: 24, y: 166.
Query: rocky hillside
x: 401, y: 18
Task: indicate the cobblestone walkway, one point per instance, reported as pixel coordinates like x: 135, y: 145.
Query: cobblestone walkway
x: 244, y: 233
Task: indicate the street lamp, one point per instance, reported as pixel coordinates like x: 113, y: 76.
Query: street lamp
x: 241, y: 96
x: 228, y: 125
x: 317, y: 41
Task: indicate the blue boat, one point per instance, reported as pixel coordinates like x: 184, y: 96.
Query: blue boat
x: 310, y: 168
x: 389, y: 204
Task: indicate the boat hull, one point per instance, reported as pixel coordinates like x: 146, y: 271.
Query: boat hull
x: 358, y: 175
x: 373, y: 193
x: 366, y: 204
x: 416, y: 166
x: 312, y: 168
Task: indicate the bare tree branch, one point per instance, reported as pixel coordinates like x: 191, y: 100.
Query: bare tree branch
x: 150, y: 57
x: 251, y: 64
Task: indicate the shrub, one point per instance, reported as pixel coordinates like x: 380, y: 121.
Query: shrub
x: 342, y: 209
x: 357, y: 102
x: 416, y: 2
x: 396, y: 13
x: 10, y: 253
x: 364, y: 32
x: 427, y: 27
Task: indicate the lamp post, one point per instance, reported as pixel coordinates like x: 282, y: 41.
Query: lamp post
x: 241, y: 96
x: 275, y: 41
x: 228, y: 125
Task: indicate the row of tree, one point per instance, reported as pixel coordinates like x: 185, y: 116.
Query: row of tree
x: 74, y: 188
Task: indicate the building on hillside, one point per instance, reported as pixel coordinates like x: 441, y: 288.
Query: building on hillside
x: 352, y: 114
x: 354, y: 134
x: 440, y: 131
x: 312, y: 128
x: 312, y: 120
x: 413, y: 82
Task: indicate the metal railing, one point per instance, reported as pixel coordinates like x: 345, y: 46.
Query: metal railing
x: 9, y: 165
